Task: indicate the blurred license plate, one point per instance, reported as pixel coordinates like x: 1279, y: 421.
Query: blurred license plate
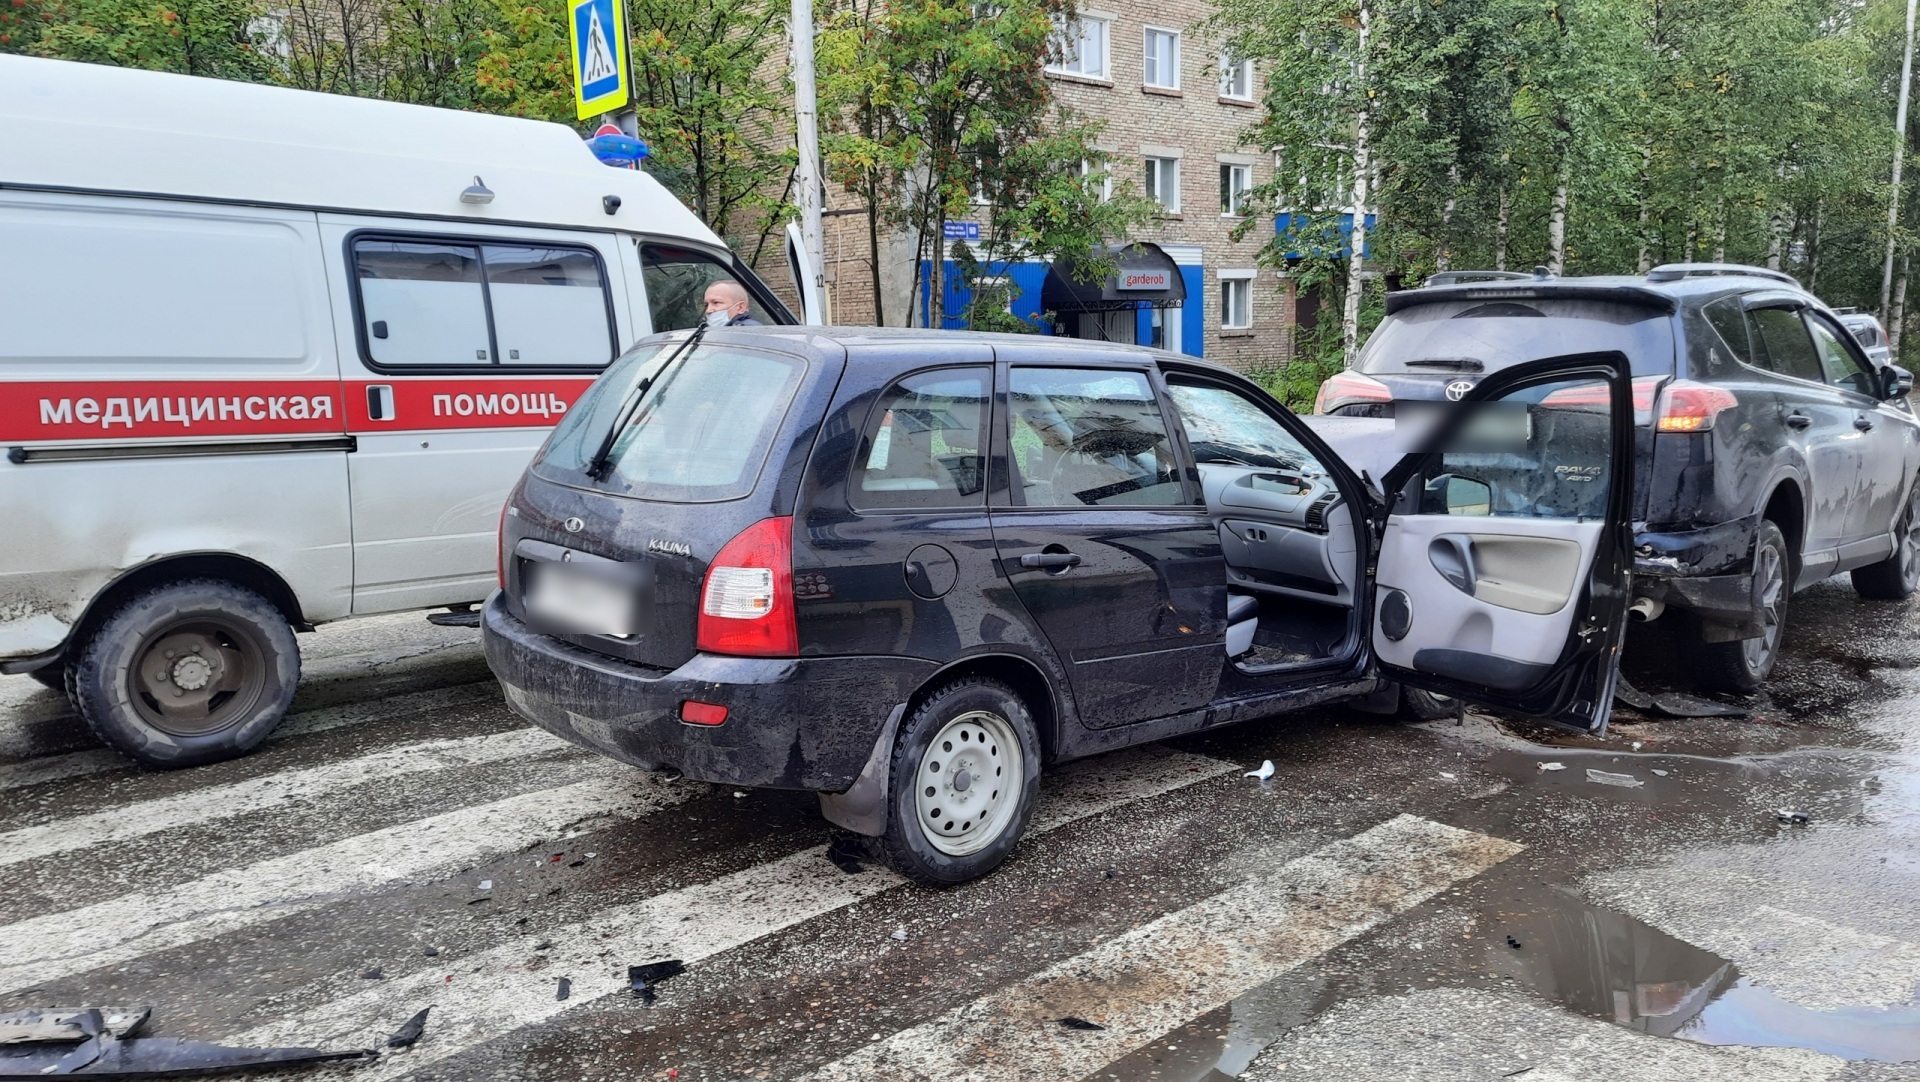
x: 582, y: 603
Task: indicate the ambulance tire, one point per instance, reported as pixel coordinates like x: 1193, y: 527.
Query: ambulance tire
x: 192, y: 672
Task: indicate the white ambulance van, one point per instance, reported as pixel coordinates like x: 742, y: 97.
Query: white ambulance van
x: 271, y: 358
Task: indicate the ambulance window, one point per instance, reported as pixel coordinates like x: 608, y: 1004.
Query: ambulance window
x: 421, y: 302
x: 677, y: 281
x: 549, y: 306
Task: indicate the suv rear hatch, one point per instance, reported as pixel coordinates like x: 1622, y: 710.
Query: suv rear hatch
x: 703, y: 457
x: 1435, y: 344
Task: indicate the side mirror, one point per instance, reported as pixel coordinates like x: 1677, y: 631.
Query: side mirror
x: 1895, y: 382
x: 1451, y: 494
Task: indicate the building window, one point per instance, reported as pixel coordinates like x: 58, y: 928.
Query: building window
x: 1234, y: 182
x: 1102, y: 178
x: 1163, y: 59
x: 1236, y: 78
x: 1163, y: 326
x: 1236, y: 300
x: 1163, y: 182
x: 1082, y: 48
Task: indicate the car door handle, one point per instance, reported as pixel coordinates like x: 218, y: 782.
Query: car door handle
x: 1051, y: 561
x: 1864, y: 424
x: 1799, y: 420
x: 1453, y: 556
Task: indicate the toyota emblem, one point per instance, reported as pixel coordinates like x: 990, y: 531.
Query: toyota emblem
x: 1458, y: 389
x: 576, y: 524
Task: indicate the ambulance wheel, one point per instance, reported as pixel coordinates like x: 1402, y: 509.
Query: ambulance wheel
x: 188, y: 673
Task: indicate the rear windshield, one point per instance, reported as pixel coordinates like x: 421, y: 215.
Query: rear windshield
x: 1486, y: 336
x: 701, y: 433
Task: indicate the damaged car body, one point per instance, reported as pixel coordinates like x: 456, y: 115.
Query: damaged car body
x: 1772, y: 451
x: 904, y: 570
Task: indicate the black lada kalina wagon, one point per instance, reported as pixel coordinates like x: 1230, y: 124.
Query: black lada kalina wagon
x: 905, y: 569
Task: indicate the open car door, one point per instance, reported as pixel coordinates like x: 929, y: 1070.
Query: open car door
x: 1502, y: 574
x: 813, y: 310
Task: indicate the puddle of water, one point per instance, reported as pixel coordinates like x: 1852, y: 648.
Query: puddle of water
x: 1610, y: 966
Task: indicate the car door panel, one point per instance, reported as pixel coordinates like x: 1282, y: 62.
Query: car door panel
x: 1879, y: 491
x: 1502, y: 569
x: 1103, y: 548
x: 1512, y: 603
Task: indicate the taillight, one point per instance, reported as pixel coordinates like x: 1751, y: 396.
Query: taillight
x: 1349, y: 389
x: 746, y: 602
x: 1601, y: 394
x: 1691, y: 407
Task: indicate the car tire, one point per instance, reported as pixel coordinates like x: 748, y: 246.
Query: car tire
x: 1742, y: 665
x: 964, y: 783
x: 191, y: 672
x: 1426, y: 705
x: 1896, y: 577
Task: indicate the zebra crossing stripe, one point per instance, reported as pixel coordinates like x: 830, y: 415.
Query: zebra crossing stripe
x: 1160, y: 976
x: 79, y: 764
x: 54, y: 945
x: 267, y: 793
x: 497, y: 991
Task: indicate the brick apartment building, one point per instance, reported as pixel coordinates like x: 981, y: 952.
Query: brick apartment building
x: 1174, y: 116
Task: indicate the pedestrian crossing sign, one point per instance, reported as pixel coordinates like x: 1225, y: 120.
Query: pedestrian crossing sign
x: 598, y: 29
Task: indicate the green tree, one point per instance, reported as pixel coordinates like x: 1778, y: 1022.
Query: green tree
x: 939, y: 109
x: 227, y: 39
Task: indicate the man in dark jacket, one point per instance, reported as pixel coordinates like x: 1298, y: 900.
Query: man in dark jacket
x: 727, y: 305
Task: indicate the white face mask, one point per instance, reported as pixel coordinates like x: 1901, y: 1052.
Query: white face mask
x: 718, y: 319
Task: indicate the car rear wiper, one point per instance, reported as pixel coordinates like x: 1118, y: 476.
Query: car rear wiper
x: 601, y: 464
x: 1458, y: 364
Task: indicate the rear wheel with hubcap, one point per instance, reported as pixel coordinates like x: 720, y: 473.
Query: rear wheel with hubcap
x: 1742, y: 665
x: 965, y: 778
x: 1896, y: 577
x: 188, y: 673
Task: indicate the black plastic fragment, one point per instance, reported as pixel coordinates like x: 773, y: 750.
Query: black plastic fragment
x: 1676, y: 705
x: 1512, y: 942
x: 846, y: 852
x: 86, y: 1044
x: 373, y: 974
x: 1080, y: 1023
x: 430, y: 951
x: 410, y: 1032
x: 1631, y: 695
x: 1793, y: 818
x: 641, y: 979
x: 564, y: 990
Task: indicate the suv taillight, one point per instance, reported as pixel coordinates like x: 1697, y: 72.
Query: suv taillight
x: 746, y: 601
x: 1599, y: 394
x: 1349, y: 389
x: 1691, y: 407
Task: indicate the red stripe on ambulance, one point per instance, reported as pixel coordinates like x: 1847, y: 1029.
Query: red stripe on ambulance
x: 406, y: 405
x: 161, y: 408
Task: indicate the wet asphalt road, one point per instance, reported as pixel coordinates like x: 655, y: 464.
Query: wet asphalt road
x: 1398, y: 902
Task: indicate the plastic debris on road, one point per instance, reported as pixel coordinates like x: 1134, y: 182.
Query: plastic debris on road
x: 1552, y: 766
x: 564, y: 990
x: 97, y: 1041
x: 1793, y: 818
x: 1624, y: 781
x: 900, y: 934
x: 846, y: 852
x: 1080, y: 1023
x: 1265, y: 771
x: 642, y: 978
x: 410, y: 1032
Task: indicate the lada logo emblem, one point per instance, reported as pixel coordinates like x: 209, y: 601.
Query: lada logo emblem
x: 575, y: 524
x: 1458, y: 389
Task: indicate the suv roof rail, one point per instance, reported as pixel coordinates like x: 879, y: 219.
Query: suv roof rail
x: 1849, y: 310
x: 1456, y: 277
x: 1673, y: 272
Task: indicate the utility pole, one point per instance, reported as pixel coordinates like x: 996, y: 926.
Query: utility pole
x: 807, y: 133
x: 1899, y: 159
